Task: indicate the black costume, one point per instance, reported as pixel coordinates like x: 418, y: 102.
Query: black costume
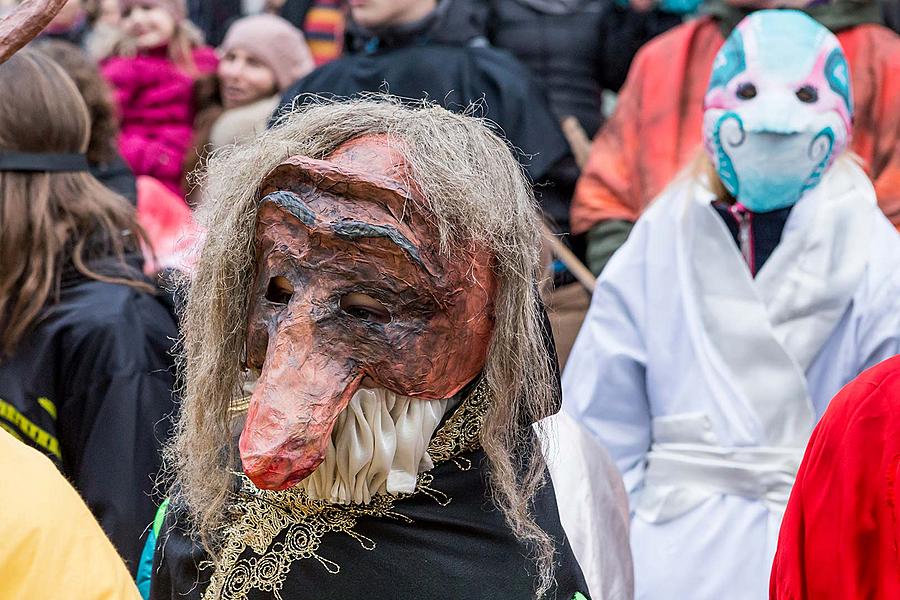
x: 117, y: 176
x: 91, y: 386
x: 444, y: 541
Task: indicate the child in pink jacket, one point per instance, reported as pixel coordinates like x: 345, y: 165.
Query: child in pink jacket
x: 153, y: 77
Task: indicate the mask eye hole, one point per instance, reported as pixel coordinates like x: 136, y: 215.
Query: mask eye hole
x: 746, y: 91
x: 279, y: 290
x: 365, y: 308
x: 807, y: 94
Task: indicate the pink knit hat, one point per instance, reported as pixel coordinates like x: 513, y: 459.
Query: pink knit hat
x: 177, y: 8
x: 275, y: 43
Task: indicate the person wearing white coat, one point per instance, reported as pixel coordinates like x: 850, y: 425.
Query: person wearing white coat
x: 704, y: 363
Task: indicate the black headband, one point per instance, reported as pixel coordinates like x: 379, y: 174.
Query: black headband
x: 41, y: 163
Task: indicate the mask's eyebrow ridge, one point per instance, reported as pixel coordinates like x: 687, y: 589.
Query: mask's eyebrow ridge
x: 348, y: 229
x: 292, y: 203
x: 354, y: 230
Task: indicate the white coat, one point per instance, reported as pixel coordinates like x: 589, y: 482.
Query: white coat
x: 593, y: 507
x: 705, y: 383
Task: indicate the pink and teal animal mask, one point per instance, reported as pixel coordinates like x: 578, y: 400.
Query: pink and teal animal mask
x: 778, y: 110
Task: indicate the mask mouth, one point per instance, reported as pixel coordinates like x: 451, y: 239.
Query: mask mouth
x: 378, y: 446
x: 767, y: 170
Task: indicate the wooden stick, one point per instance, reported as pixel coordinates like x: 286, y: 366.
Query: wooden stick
x: 578, y: 139
x: 580, y: 144
x: 568, y: 258
x: 24, y: 24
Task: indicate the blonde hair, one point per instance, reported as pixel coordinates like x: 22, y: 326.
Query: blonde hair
x: 180, y: 49
x: 476, y: 193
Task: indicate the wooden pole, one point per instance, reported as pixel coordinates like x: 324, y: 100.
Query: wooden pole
x: 566, y: 257
x: 580, y: 144
x: 578, y: 140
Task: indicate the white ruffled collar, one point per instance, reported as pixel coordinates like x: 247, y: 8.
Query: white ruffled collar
x: 379, y: 445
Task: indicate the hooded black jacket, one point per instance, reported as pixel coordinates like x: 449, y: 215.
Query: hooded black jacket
x: 91, y: 386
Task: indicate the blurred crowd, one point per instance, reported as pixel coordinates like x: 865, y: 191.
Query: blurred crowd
x: 601, y: 100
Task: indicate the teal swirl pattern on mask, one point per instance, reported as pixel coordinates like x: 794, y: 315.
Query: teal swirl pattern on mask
x: 724, y: 165
x: 837, y: 73
x: 813, y: 180
x: 730, y: 61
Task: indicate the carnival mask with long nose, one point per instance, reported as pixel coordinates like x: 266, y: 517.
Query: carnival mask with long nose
x: 352, y: 290
x: 778, y: 109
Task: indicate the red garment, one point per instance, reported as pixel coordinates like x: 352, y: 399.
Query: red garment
x: 155, y: 101
x: 657, y: 125
x: 172, y: 233
x: 840, y: 538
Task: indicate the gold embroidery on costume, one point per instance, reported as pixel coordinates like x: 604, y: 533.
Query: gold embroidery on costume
x: 241, y: 405
x: 261, y: 516
x: 462, y: 431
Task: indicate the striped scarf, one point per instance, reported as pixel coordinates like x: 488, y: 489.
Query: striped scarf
x: 324, y: 29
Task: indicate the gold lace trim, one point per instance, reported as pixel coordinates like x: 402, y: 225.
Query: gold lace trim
x: 259, y: 516
x: 241, y: 405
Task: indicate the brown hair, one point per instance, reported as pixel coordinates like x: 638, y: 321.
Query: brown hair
x: 51, y: 219
x: 96, y: 93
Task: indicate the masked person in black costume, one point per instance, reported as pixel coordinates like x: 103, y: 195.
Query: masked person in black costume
x: 388, y: 318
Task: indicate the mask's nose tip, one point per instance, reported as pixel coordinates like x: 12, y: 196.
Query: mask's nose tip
x: 278, y: 472
x: 294, y: 407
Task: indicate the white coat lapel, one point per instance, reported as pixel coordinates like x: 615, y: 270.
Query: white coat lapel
x: 810, y: 278
x: 730, y: 326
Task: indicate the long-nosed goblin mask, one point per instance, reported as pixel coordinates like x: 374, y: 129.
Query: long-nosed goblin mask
x: 352, y: 290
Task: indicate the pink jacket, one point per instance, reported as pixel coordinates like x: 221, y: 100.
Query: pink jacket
x: 155, y: 101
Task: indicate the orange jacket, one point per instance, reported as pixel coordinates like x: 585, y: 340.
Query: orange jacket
x: 656, y: 127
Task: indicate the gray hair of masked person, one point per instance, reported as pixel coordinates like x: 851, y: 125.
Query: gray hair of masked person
x: 476, y: 194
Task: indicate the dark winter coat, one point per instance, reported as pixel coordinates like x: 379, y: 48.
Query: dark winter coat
x: 576, y: 53
x: 117, y: 176
x: 91, y: 387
